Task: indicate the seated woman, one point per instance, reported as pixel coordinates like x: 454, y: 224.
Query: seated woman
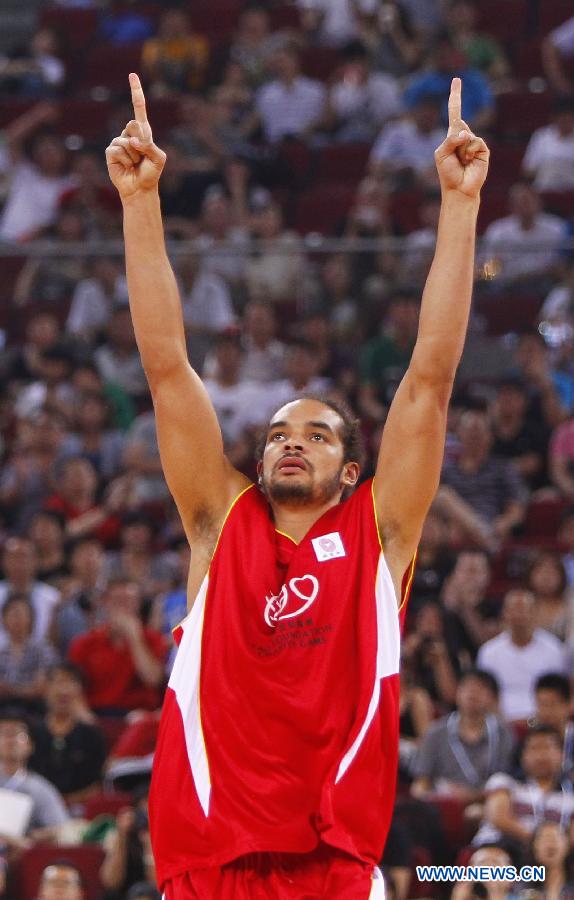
x: 23, y: 660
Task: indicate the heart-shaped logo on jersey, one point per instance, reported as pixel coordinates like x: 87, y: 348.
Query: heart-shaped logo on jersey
x: 305, y: 588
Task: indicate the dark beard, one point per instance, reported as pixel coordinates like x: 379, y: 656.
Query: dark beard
x: 303, y: 494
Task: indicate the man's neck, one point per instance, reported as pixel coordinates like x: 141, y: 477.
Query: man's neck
x: 471, y: 724
x: 297, y: 520
x: 546, y: 784
x: 9, y: 769
x: 521, y: 640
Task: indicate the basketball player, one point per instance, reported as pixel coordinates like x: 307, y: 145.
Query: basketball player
x: 274, y: 773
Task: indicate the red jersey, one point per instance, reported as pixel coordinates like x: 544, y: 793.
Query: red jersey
x: 280, y: 721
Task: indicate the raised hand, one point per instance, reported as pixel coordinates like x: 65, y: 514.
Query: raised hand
x: 462, y: 158
x: 135, y: 163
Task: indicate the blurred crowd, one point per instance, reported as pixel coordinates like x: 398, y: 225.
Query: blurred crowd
x: 286, y: 125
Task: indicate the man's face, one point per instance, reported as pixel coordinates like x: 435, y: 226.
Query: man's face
x: 63, y: 691
x: 19, y: 560
x: 542, y: 757
x: 123, y: 598
x: 303, y: 457
x: 475, y: 433
x: 551, y: 708
x: 518, y: 612
x: 15, y: 743
x: 473, y: 569
x: 60, y: 883
x: 511, y: 401
x: 474, y: 698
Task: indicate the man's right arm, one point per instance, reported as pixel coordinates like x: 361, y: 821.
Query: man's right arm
x: 200, y: 479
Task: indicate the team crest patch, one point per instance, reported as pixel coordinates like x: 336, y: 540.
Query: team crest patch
x: 328, y: 546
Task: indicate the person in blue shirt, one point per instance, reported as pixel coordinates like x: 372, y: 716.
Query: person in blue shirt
x: 445, y: 61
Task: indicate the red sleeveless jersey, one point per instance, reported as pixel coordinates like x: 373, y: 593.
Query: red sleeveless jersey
x: 280, y: 721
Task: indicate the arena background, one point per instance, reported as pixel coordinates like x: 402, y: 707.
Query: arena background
x: 300, y: 203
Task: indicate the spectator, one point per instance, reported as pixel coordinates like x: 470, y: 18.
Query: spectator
x: 142, y: 462
x: 23, y: 659
x: 465, y: 593
x: 432, y: 655
x: 273, y: 275
x: 29, y: 472
x: 291, y: 105
x: 482, y: 51
x: 333, y: 22
x: 370, y: 215
x: 335, y: 296
x: 207, y: 307
x: 176, y: 60
x: 301, y: 377
x: 81, y: 610
x: 93, y: 197
x: 434, y: 563
x: 61, y: 881
x: 488, y: 491
x: 191, y: 169
x: 136, y: 560
x: 487, y: 855
x: 94, y: 298
x: 558, y: 308
x: 562, y: 459
x: 515, y: 808
x: 51, y: 281
x: 551, y: 850
x: 392, y: 39
x: 416, y: 715
x: 36, y: 70
x: 118, y: 359
x: 549, y: 391
x: 547, y: 580
x: 253, y: 43
x: 519, y: 655
x: 566, y: 540
x: 24, y: 362
x: 524, y: 245
x: 171, y: 608
x: 385, y: 358
x: 222, y: 240
x: 52, y: 391
x: 238, y: 403
x: 558, y: 47
x: 124, y: 646
x: 48, y: 810
x: 69, y: 748
x: 128, y: 852
x: 264, y: 358
x: 360, y: 100
x: 445, y: 62
x: 47, y: 532
x: 76, y: 501
x: 404, y: 150
x: 462, y: 750
x: 19, y: 566
x: 37, y: 182
x: 419, y: 245
x: 549, y: 156
x: 517, y: 437
x: 553, y: 698
x: 93, y: 437
x: 142, y: 890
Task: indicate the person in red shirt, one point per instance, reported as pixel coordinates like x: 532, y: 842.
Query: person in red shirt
x: 275, y: 770
x: 76, y: 501
x: 123, y: 660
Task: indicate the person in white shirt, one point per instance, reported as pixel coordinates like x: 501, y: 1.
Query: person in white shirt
x: 360, y: 101
x: 515, y: 808
x: 549, y: 157
x: 405, y: 149
x: 239, y: 404
x: 19, y: 566
x: 334, y: 22
x: 94, y: 298
x: 519, y: 655
x: 291, y: 105
x: 525, y: 244
x: 556, y: 47
x: 301, y: 370
x: 264, y: 358
x: 37, y: 182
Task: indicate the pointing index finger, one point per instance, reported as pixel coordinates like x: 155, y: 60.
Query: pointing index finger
x: 455, y: 104
x: 138, y: 99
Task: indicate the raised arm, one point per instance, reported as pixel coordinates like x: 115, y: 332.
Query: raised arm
x: 201, y: 480
x: 412, y: 446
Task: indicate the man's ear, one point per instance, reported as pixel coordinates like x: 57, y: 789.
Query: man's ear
x: 351, y: 472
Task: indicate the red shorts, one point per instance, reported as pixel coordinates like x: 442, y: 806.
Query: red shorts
x: 324, y: 874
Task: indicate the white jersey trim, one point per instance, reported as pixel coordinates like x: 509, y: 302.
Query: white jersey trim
x: 388, y: 653
x: 184, y: 682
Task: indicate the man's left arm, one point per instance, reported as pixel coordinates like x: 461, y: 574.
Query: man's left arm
x: 412, y: 447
